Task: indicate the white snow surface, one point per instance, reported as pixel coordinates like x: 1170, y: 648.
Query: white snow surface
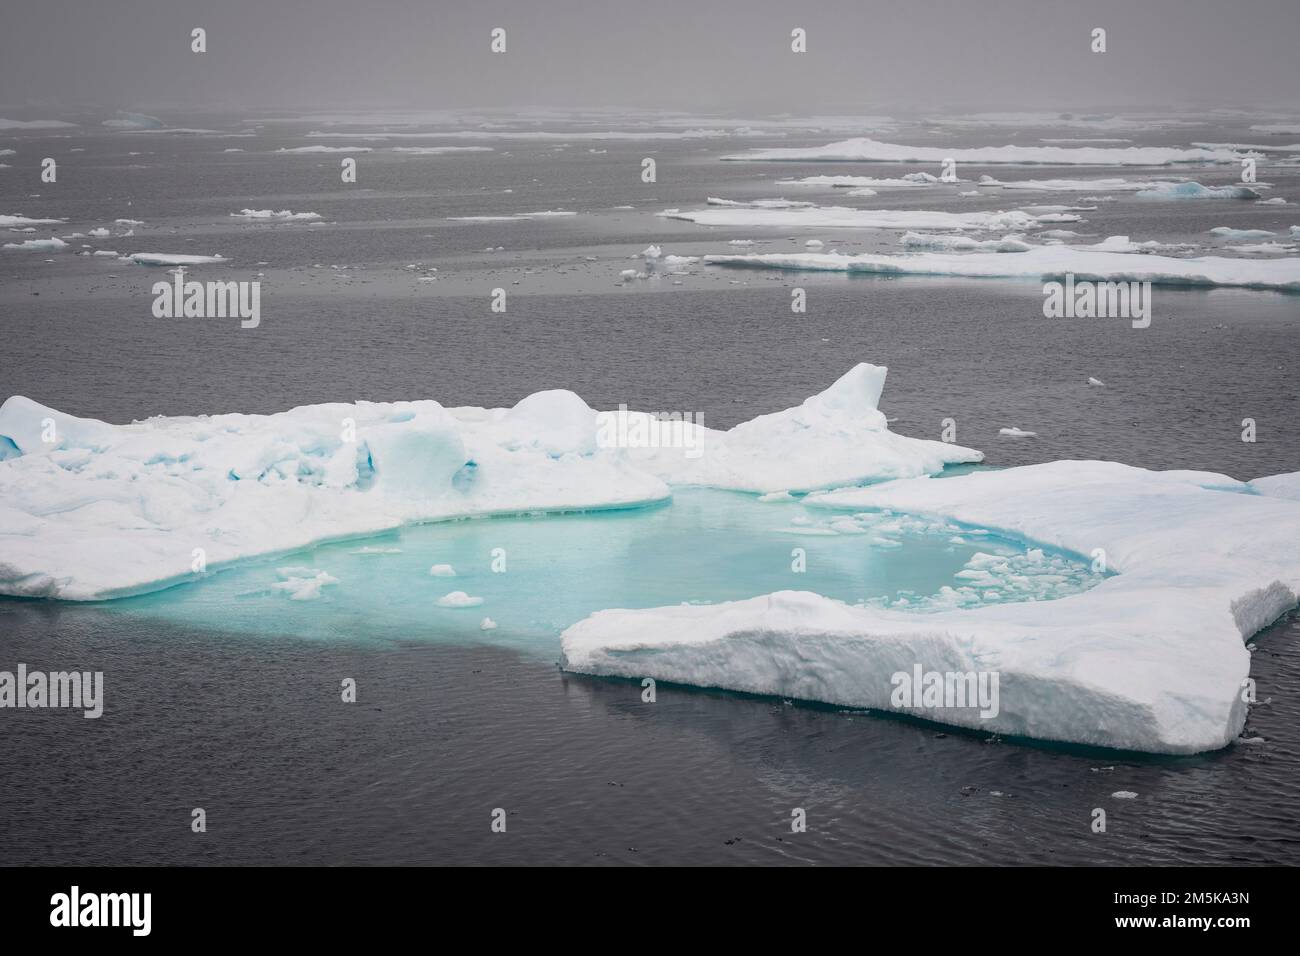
x: 110, y: 510
x: 1152, y: 658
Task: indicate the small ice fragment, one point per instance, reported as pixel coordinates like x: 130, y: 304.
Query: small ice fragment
x: 442, y: 571
x: 459, y: 599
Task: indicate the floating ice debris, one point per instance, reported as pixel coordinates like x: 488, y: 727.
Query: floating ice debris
x: 813, y: 243
x: 627, y: 275
x: 459, y: 599
x: 442, y: 571
x: 487, y: 624
x: 368, y: 549
x: 1278, y: 128
x: 652, y: 252
x: 303, y: 584
x: 1096, y: 382
x: 1264, y: 248
x: 1042, y: 262
x: 1275, y: 201
x: 99, y: 233
x: 868, y: 150
x: 281, y: 215
x: 1124, y: 795
x: 171, y: 259
x: 1014, y: 432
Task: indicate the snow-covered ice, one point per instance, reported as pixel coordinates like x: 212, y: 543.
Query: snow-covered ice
x: 1043, y: 262
x: 1152, y: 658
x: 108, y: 510
x: 171, y: 259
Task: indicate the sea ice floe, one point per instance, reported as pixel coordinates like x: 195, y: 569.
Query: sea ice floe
x: 107, y: 510
x: 171, y: 259
x: 326, y: 149
x: 27, y: 221
x: 953, y: 243
x: 275, y: 215
x: 1227, y: 232
x: 52, y: 244
x: 1152, y: 658
x: 1043, y: 262
x: 863, y: 150
x: 459, y: 599
x: 845, y: 217
x: 1196, y: 191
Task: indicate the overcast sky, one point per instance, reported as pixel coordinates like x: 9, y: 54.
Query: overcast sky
x: 706, y: 55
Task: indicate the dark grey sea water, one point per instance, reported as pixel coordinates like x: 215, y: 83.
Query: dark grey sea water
x: 250, y: 728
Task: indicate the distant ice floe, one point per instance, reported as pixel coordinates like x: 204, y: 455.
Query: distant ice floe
x: 109, y: 510
x: 1152, y: 658
x: 865, y: 183
x: 1196, y: 191
x: 34, y: 124
x: 1282, y: 129
x: 134, y: 121
x: 1227, y: 232
x: 1066, y: 185
x: 1042, y: 262
x: 171, y: 259
x: 440, y: 150
x: 325, y: 149
x: 862, y: 150
x: 845, y: 217
x: 758, y: 203
x: 52, y: 244
x: 1014, y: 432
x: 273, y: 215
x: 27, y: 221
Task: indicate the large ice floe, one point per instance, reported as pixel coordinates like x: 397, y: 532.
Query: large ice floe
x: 845, y: 217
x: 1042, y: 262
x: 1152, y: 658
x: 863, y: 150
x: 90, y: 510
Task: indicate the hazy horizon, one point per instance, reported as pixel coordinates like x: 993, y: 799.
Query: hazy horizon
x: 923, y: 56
